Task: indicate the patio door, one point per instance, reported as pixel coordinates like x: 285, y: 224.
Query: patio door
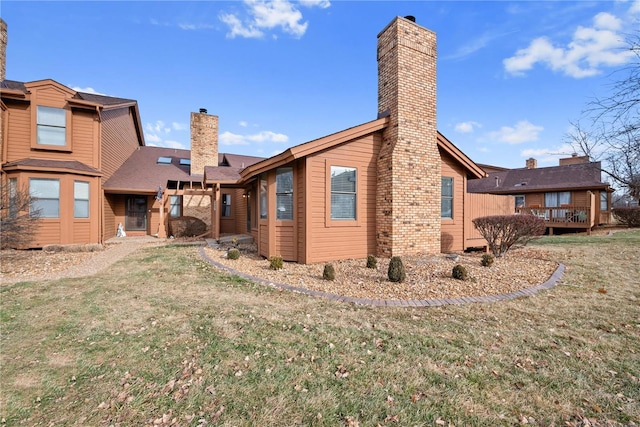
x: 136, y: 219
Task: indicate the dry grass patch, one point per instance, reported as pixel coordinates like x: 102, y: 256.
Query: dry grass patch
x: 162, y: 338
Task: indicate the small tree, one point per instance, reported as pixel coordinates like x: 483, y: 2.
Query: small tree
x: 18, y: 218
x: 503, y: 231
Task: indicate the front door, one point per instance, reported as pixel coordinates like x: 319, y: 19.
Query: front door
x: 136, y: 213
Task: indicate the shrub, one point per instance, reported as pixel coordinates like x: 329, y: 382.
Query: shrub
x: 396, y: 271
x: 459, y: 272
x: 18, y: 218
x: 329, y: 272
x: 275, y: 263
x: 372, y: 261
x: 629, y: 216
x: 233, y: 253
x: 503, y: 231
x: 487, y: 260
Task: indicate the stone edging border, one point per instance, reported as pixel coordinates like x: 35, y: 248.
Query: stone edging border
x: 550, y: 283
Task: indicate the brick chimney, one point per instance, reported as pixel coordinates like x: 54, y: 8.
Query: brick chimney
x: 204, y: 141
x: 4, y: 38
x: 409, y: 178
x: 532, y: 163
x: 574, y: 160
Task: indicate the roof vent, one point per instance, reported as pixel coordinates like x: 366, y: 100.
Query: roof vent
x: 203, y: 111
x: 410, y: 18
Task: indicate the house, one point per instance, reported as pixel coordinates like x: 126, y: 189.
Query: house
x: 391, y: 186
x: 568, y: 196
x: 61, y: 145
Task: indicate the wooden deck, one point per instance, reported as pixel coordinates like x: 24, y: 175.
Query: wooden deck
x: 573, y: 217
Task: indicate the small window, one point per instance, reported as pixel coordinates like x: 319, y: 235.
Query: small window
x: 185, y: 162
x: 51, y: 126
x: 162, y: 160
x: 263, y: 197
x: 226, y: 205
x: 284, y: 193
x: 13, y: 198
x: 343, y: 193
x: 519, y: 201
x: 80, y: 199
x: 47, y: 197
x: 175, y: 206
x: 446, y: 204
x: 604, y: 201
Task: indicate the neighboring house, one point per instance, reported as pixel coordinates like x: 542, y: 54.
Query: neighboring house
x: 61, y: 146
x: 570, y: 195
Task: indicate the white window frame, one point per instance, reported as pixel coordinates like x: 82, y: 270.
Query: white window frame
x: 51, y: 201
x: 341, y: 193
x: 47, y: 121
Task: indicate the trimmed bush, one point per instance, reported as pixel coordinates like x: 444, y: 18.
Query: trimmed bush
x: 487, y: 260
x: 233, y: 253
x: 459, y: 272
x: 396, y: 271
x: 503, y: 231
x: 275, y: 262
x: 629, y: 216
x: 329, y: 272
x: 372, y: 261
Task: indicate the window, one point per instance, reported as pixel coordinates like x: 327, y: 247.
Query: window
x: 47, y: 197
x: 175, y: 206
x: 519, y: 201
x: 604, y: 201
x: 13, y: 198
x: 80, y: 199
x: 343, y: 192
x: 446, y: 204
x: 185, y: 162
x: 226, y: 205
x: 162, y: 160
x: 263, y: 197
x: 557, y: 199
x: 51, y: 126
x: 284, y: 193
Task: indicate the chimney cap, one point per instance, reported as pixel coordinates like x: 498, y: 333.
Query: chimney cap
x: 410, y: 18
x: 203, y: 111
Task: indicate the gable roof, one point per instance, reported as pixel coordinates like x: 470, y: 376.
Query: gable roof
x: 556, y: 178
x: 472, y: 168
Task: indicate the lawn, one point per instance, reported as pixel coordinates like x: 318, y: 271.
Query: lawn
x: 162, y: 338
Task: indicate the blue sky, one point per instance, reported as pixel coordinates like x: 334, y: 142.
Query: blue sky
x: 511, y: 75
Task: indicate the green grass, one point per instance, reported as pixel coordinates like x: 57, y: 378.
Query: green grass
x: 164, y: 334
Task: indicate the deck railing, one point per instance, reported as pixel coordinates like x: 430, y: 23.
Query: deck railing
x: 572, y: 216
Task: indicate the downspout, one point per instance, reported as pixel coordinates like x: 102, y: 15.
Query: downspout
x: 101, y: 230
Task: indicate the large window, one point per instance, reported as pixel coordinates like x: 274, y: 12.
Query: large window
x: 80, y: 199
x: 226, y: 205
x: 343, y: 192
x: 52, y: 123
x: 446, y: 204
x: 557, y: 199
x: 284, y: 193
x: 175, y: 206
x: 264, y: 197
x: 47, y: 197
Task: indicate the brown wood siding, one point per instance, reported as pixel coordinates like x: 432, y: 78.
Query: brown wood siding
x: 84, y: 139
x: 110, y: 226
x: 119, y: 139
x: 452, y: 230
x: 329, y: 240
x: 301, y: 217
x: 263, y: 246
x: 478, y: 205
x: 533, y: 199
x: 18, y: 132
x: 285, y: 241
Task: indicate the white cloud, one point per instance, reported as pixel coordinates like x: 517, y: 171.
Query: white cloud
x: 267, y: 15
x: 548, y: 155
x: 466, y: 127
x: 243, y: 124
x: 155, y: 134
x: 228, y: 138
x: 152, y: 138
x: 174, y: 144
x: 590, y: 50
x: 178, y: 126
x: 523, y: 131
x: 194, y: 27
x: 86, y: 90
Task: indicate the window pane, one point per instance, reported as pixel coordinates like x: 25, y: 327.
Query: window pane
x: 81, y: 199
x: 446, y: 201
x: 284, y: 180
x: 175, y: 205
x: 226, y: 205
x: 604, y: 205
x: 284, y: 206
x: 51, y: 136
x: 343, y: 206
x: 343, y: 179
x: 447, y: 208
x: 447, y: 187
x: 263, y: 199
x: 47, y: 194
x: 13, y: 194
x: 51, y: 116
